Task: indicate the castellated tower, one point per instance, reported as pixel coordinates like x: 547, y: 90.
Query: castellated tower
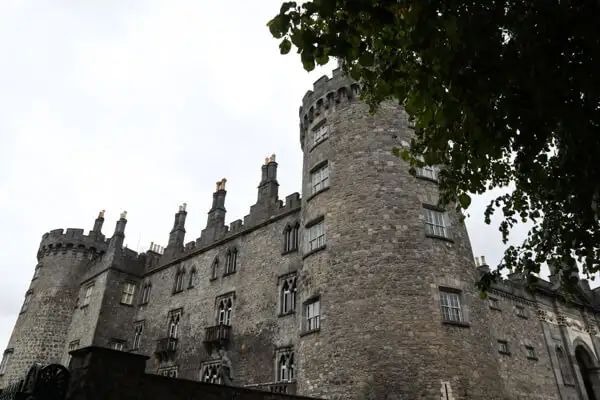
x: 40, y: 332
x: 383, y: 264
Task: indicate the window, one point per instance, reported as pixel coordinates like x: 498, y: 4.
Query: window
x: 5, y: 360
x: 27, y: 300
x: 565, y: 367
x: 530, y: 352
x: 285, y: 365
x: 88, y: 295
x: 503, y: 347
x: 315, y: 236
x: 179, y: 276
x: 451, y: 307
x: 312, y: 313
x: 170, y: 372
x: 192, y: 280
x: 117, y: 344
x: 74, y: 345
x: 215, y: 269
x: 521, y: 311
x: 494, y: 303
x: 146, y: 293
x: 428, y: 171
x: 436, y: 223
x: 174, y: 319
x: 288, y: 295
x: 290, y: 237
x: 128, y: 292
x: 224, y: 310
x: 138, y: 329
x: 320, y: 134
x: 36, y: 271
x: 210, y: 372
x: 230, y: 261
x: 319, y: 179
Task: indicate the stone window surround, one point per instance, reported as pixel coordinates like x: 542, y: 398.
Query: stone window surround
x: 444, y: 287
x: 179, y: 277
x: 494, y: 303
x: 447, y: 225
x: 503, y: 347
x: 214, y: 269
x: 138, y: 329
x: 324, y: 182
x: 323, y: 137
x: 427, y: 172
x: 307, y: 226
x: 291, y: 237
x: 127, y: 296
x: 305, y: 304
x: 520, y: 311
x: 530, y: 352
x: 87, y: 294
x: 26, y: 301
x: 174, y: 322
x: 5, y: 360
x: 289, y: 364
x: 146, y: 291
x: 290, y: 277
x: 231, y: 257
x: 227, y: 313
x: 192, y: 278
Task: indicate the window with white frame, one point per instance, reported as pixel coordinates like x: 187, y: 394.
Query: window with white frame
x: 494, y: 303
x: 312, y: 314
x: 170, y: 372
x: 288, y: 294
x: 210, y: 372
x: 174, y: 320
x: 315, y: 236
x: 5, y: 360
x: 117, y: 345
x: 285, y: 365
x: 319, y: 179
x: 320, y: 134
x: 451, y: 306
x: 27, y: 300
x: 146, y: 293
x: 128, y: 292
x: 436, y: 223
x: 224, y: 309
x: 88, y: 295
x: 138, y: 330
x: 427, y: 171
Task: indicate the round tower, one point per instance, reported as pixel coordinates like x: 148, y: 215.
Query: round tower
x: 40, y: 332
x: 389, y: 308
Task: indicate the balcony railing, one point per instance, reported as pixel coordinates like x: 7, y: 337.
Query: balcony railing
x: 166, y: 346
x: 275, y: 387
x: 218, y: 334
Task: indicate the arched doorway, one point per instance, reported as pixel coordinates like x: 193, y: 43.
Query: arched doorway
x: 588, y: 372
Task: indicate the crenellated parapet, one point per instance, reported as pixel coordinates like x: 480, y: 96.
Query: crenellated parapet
x: 72, y: 240
x: 328, y: 94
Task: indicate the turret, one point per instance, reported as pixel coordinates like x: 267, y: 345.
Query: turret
x: 41, y: 329
x: 177, y: 235
x: 215, y: 223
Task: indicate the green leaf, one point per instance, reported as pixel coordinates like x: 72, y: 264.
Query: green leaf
x: 464, y: 200
x: 286, y: 6
x: 285, y: 46
x: 366, y: 59
x: 396, y: 151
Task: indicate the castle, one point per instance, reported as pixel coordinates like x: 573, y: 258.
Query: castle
x: 361, y: 288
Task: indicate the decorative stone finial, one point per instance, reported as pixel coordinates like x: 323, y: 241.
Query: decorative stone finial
x: 221, y: 184
x: 272, y: 159
x: 124, y: 215
x: 101, y: 214
x: 266, y: 160
x: 477, y: 261
x: 180, y: 208
x: 184, y: 206
x: 483, y: 260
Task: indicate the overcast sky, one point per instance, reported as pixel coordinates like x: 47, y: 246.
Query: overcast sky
x: 141, y: 106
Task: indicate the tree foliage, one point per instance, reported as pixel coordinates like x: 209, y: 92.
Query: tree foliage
x: 501, y: 92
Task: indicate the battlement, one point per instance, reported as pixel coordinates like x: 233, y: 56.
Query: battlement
x: 327, y: 95
x: 73, y: 239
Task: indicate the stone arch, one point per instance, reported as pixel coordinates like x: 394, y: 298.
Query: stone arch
x: 588, y: 368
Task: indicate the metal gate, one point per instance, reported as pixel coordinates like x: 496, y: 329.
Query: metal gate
x: 41, y: 383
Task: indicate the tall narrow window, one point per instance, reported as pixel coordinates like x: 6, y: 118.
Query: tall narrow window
x: 451, y: 307
x: 27, y: 300
x: 138, y: 330
x: 215, y: 269
x: 179, y: 276
x: 225, y: 308
x: 315, y: 236
x: 74, y: 345
x: 146, y: 293
x: 5, y: 360
x: 319, y: 179
x: 88, y: 295
x: 210, y: 372
x: 565, y: 367
x: 231, y: 261
x: 312, y: 313
x: 128, y: 292
x: 320, y: 134
x: 192, y: 278
x: 285, y: 365
x: 436, y: 223
x: 288, y: 295
x: 174, y: 319
x: 290, y: 237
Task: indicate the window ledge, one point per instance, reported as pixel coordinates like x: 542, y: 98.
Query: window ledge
x: 177, y: 292
x: 289, y: 251
x: 495, y: 308
x: 425, y: 178
x: 522, y: 316
x: 125, y: 304
x: 313, y: 251
x: 229, y: 273
x: 143, y: 304
x: 190, y: 287
x: 213, y: 279
x: 315, y: 194
x: 506, y: 353
x: 306, y: 333
x: 457, y: 323
x: 432, y: 236
x: 285, y: 314
x: 84, y: 306
x: 532, y: 358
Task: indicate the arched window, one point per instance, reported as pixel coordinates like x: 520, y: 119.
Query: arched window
x: 288, y: 295
x: 290, y: 238
x: 563, y: 363
x: 179, y: 276
x: 174, y: 325
x: 210, y: 373
x: 146, y: 293
x: 231, y: 261
x: 225, y: 310
x: 192, y: 278
x: 215, y: 269
x: 285, y: 366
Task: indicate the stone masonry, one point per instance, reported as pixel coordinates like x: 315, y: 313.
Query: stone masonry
x: 361, y: 288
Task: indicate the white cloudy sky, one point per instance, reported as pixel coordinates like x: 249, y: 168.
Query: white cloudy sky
x: 141, y: 105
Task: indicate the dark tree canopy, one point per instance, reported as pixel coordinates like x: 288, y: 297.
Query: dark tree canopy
x: 501, y: 93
